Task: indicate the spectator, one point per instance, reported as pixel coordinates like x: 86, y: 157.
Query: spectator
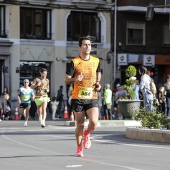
x: 145, y: 88
x: 107, y: 102
x: 167, y: 92
x: 7, y: 112
x: 49, y: 107
x: 54, y: 105
x: 6, y: 93
x: 33, y: 109
x: 161, y: 99
x: 70, y: 98
x: 60, y: 99
x: 100, y: 104
x: 136, y: 89
x: 119, y: 94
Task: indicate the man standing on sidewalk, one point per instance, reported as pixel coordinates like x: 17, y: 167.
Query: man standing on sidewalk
x: 84, y: 73
x: 107, y: 102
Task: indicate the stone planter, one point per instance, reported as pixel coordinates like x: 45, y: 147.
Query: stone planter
x: 128, y: 107
x: 155, y: 135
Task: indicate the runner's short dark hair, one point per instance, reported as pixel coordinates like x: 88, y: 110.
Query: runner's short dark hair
x: 43, y: 69
x: 84, y: 38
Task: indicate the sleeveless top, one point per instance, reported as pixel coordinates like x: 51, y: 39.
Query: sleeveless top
x: 41, y: 90
x: 85, y: 89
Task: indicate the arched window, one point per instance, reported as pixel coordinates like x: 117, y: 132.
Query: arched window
x: 82, y: 24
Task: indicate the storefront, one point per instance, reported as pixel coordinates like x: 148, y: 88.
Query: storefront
x: 157, y: 65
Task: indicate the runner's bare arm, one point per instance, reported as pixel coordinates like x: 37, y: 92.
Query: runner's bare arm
x: 33, y: 86
x: 48, y: 88
x: 70, y: 80
x: 19, y: 100
x: 98, y: 76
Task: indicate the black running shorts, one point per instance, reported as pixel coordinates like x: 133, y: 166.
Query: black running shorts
x: 24, y: 105
x: 83, y: 105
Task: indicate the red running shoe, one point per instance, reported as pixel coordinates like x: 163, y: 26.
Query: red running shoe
x: 79, y: 152
x: 87, y: 142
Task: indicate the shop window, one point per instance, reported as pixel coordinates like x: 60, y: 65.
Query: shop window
x: 35, y: 23
x: 31, y: 70
x: 3, y: 31
x: 166, y: 34
x: 82, y: 24
x: 135, y: 33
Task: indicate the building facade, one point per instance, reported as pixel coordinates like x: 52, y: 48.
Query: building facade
x: 142, y: 41
x: 44, y: 33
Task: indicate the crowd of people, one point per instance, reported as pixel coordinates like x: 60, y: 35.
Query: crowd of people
x: 34, y: 99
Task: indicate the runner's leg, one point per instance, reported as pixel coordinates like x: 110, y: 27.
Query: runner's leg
x: 39, y: 112
x: 44, y: 113
x: 93, y: 115
x: 27, y: 113
x: 79, y: 117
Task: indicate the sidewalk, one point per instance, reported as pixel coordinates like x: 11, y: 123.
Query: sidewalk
x: 109, y: 123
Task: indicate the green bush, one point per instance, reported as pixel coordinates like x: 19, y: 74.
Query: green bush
x: 152, y: 119
x: 130, y: 72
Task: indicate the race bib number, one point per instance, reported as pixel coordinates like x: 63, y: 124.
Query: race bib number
x: 85, y: 93
x: 25, y: 97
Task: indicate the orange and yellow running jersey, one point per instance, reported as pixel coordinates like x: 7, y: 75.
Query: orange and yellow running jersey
x: 85, y: 89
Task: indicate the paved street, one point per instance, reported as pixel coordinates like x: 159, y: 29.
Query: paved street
x: 54, y: 147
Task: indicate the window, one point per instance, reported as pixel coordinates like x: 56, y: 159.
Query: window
x: 3, y: 33
x: 35, y: 23
x: 31, y: 70
x: 82, y: 24
x: 135, y: 33
x: 166, y: 35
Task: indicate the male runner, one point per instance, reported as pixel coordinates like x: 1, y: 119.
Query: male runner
x: 84, y: 73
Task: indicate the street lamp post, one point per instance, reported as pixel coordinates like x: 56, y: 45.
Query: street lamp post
x: 115, y: 38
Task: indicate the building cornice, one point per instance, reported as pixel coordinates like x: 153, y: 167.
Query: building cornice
x: 142, y: 9
x: 98, y: 5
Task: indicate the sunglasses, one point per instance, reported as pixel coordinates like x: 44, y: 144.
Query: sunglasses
x: 26, y: 82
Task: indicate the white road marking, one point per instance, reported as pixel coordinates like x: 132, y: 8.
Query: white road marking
x: 73, y: 166
x: 52, y: 152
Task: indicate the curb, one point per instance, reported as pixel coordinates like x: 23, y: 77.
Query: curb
x: 155, y: 135
x: 108, y: 123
